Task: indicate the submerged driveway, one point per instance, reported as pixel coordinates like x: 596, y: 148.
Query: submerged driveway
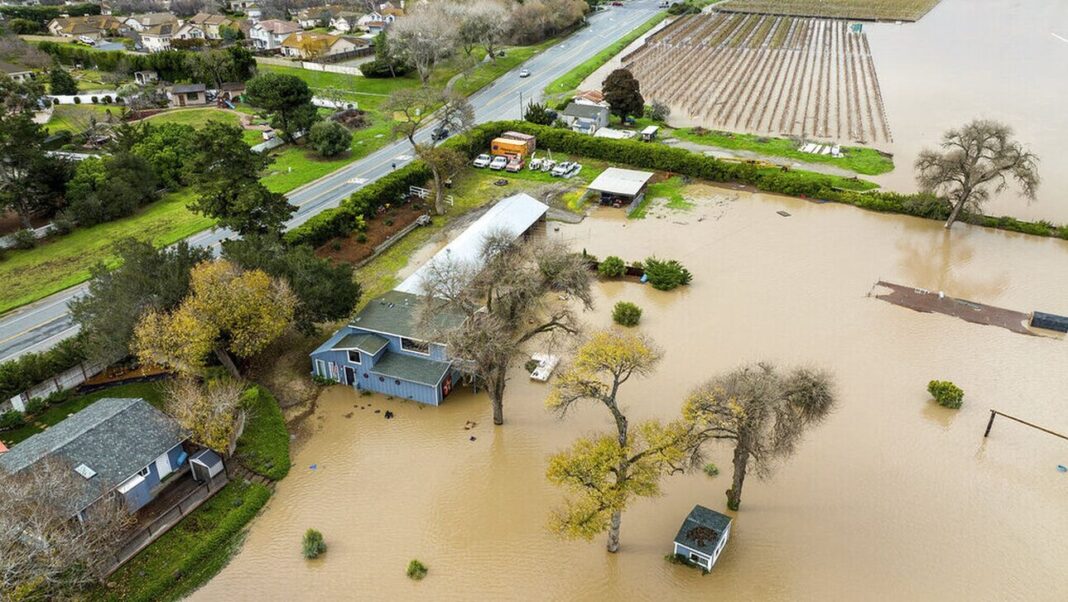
x: 38, y: 326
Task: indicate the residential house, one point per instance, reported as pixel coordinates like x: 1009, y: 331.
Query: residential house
x: 317, y: 16
x: 585, y: 118
x: 389, y: 9
x: 702, y: 537
x: 374, y: 22
x: 143, y: 78
x: 345, y: 21
x: 269, y: 34
x: 93, y: 27
x: 17, y: 72
x: 158, y: 37
x: 140, y: 23
x: 308, y: 46
x: 387, y: 348
x: 187, y: 95
x: 248, y: 7
x: 213, y: 24
x: 114, y: 445
x: 590, y: 97
x: 189, y: 31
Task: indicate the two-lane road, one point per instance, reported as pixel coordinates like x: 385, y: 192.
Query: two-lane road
x: 40, y: 325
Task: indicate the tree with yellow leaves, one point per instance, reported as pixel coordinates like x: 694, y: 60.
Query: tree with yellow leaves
x: 227, y: 309
x: 209, y: 411
x: 604, y: 472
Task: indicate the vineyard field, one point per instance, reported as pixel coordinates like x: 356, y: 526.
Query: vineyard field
x: 762, y: 74
x: 868, y: 10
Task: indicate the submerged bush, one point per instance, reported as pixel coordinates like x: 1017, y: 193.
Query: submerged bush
x: 947, y: 394
x: 313, y: 545
x: 612, y: 267
x: 711, y: 469
x: 666, y: 275
x: 417, y: 570
x: 626, y: 314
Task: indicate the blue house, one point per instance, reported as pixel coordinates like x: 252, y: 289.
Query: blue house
x: 702, y: 537
x: 124, y: 446
x: 387, y: 348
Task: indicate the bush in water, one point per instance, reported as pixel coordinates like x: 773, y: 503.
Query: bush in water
x: 626, y: 314
x: 417, y: 570
x: 947, y: 394
x: 612, y: 267
x: 313, y: 545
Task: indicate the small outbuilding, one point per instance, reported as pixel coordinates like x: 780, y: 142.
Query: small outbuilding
x: 621, y: 187
x: 1049, y: 321
x: 205, y: 464
x: 186, y: 95
x: 702, y: 537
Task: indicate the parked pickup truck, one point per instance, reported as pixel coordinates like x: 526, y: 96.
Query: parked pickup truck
x: 482, y: 160
x: 514, y: 164
x: 498, y: 163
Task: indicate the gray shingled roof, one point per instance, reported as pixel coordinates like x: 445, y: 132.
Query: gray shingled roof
x: 396, y: 313
x: 702, y: 529
x: 584, y: 111
x: 410, y: 368
x: 184, y: 88
x: 367, y: 343
x: 113, y: 437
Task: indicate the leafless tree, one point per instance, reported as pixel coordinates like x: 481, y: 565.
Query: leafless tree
x: 535, y: 20
x: 414, y: 107
x: 517, y: 296
x: 188, y: 8
x: 45, y: 552
x: 133, y: 7
x: 14, y: 49
x: 210, y: 411
x: 481, y: 23
x: 972, y: 158
x: 764, y: 411
x: 423, y: 39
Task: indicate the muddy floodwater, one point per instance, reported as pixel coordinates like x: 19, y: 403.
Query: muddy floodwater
x: 892, y: 498
x: 980, y: 58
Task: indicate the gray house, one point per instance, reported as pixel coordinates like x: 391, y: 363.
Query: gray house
x: 114, y: 445
x: 702, y: 537
x: 585, y: 118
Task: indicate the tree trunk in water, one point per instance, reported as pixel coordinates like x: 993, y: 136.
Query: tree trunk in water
x: 496, y: 393
x: 734, y: 494
x: 953, y: 214
x: 613, y: 532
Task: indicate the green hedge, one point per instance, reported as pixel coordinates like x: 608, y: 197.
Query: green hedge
x: 44, y: 14
x: 364, y: 202
x: 264, y: 445
x: 28, y: 369
x: 794, y: 183
x: 172, y: 65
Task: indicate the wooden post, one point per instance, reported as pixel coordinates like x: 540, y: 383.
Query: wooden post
x: 989, y: 424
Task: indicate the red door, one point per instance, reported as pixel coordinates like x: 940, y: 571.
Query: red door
x: 446, y: 386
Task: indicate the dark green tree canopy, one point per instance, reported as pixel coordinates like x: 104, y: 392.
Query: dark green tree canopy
x: 61, y: 82
x: 112, y: 187
x: 329, y: 138
x: 539, y: 113
x: 623, y: 94
x: 287, y: 97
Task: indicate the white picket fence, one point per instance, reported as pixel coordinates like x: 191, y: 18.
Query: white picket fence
x: 310, y: 66
x: 7, y: 242
x: 425, y: 193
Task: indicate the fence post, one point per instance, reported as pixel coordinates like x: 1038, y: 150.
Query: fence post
x: 989, y: 424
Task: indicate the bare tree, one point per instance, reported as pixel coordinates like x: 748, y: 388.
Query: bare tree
x: 765, y: 412
x: 45, y: 552
x: 423, y: 39
x: 210, y: 411
x: 414, y: 107
x: 972, y: 158
x: 481, y: 23
x: 513, y: 299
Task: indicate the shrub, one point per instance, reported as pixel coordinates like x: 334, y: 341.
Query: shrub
x: 63, y: 223
x: 329, y: 138
x: 612, y: 267
x: 77, y: 100
x: 35, y: 406
x: 313, y: 545
x: 711, y: 470
x: 28, y: 369
x: 666, y: 275
x: 417, y: 570
x: 626, y: 314
x: 12, y: 419
x: 57, y: 397
x: 94, y: 99
x: 658, y: 111
x: 361, y: 238
x: 947, y: 394
x: 107, y: 100
x: 24, y: 239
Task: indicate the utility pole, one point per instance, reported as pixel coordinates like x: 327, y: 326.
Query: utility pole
x: 521, y: 104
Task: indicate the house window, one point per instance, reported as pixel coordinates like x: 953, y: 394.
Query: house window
x: 143, y: 472
x: 192, y: 96
x: 416, y: 346
x: 354, y: 357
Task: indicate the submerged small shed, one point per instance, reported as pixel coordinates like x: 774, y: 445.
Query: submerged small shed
x: 1049, y: 321
x: 702, y: 537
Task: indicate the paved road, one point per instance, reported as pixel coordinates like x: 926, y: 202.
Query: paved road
x: 40, y: 325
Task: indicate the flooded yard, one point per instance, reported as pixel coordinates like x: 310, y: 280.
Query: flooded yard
x: 891, y: 498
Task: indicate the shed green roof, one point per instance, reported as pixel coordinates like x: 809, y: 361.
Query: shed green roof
x: 411, y: 368
x: 367, y: 343
x: 702, y: 529
x: 397, y: 313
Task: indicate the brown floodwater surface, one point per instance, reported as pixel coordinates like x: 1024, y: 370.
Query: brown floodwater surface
x: 891, y: 498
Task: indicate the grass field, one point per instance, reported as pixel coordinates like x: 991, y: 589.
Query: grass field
x: 865, y: 161
x: 75, y: 118
x: 200, y: 117
x: 569, y: 81
x: 873, y: 10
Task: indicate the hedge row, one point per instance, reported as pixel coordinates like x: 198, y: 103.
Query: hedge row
x: 27, y: 370
x: 172, y: 65
x: 805, y: 184
x: 44, y: 14
x: 364, y: 202
x: 218, y: 542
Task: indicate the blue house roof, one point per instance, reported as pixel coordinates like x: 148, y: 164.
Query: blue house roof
x: 703, y: 529
x: 112, y: 438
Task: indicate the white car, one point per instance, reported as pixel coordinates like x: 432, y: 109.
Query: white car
x: 482, y: 161
x: 562, y: 169
x: 524, y: 73
x: 498, y: 163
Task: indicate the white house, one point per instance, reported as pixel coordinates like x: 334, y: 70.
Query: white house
x: 158, y: 37
x: 702, y: 537
x: 345, y: 21
x: 248, y: 7
x: 212, y: 24
x: 269, y: 34
x: 190, y: 31
x: 140, y: 23
x: 585, y: 118
x: 307, y: 46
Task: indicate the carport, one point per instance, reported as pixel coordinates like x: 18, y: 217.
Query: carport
x: 619, y: 187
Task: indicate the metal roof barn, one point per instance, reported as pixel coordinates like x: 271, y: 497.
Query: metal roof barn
x: 623, y: 182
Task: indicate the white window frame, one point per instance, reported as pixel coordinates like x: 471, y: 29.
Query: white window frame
x: 403, y: 348
x: 359, y: 356
x: 143, y: 472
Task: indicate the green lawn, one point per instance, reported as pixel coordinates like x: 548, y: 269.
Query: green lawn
x: 192, y: 552
x: 198, y: 118
x: 64, y: 261
x: 150, y: 392
x: 264, y: 445
x: 865, y: 161
x: 75, y: 118
x: 570, y: 81
x: 670, y: 190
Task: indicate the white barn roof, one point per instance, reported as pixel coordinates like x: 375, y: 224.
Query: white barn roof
x: 615, y: 180
x: 513, y: 215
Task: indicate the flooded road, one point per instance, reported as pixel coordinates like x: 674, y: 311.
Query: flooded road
x: 892, y: 498
x: 980, y: 58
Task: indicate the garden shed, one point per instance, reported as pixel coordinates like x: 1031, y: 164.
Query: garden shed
x: 621, y: 187
x: 205, y: 464
x: 702, y: 537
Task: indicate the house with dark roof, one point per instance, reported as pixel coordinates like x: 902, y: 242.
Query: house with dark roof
x: 187, y: 95
x: 389, y: 347
x: 702, y: 537
x: 116, y: 445
x: 585, y: 118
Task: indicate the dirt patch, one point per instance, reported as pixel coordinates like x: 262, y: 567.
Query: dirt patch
x: 353, y: 119
x: 10, y: 222
x: 389, y: 221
